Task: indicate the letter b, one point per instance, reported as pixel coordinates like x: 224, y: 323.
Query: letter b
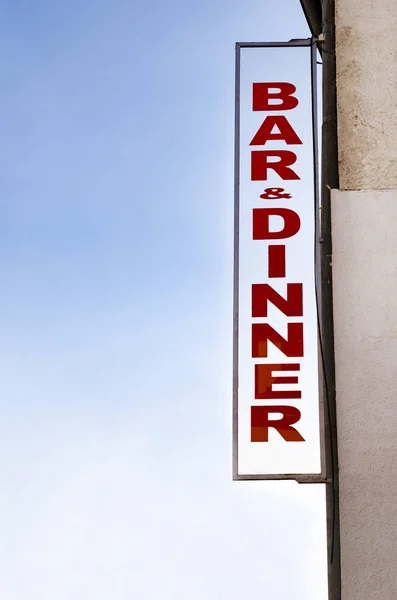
x: 261, y: 96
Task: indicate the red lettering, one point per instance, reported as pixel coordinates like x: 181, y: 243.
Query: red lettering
x: 264, y: 382
x: 285, y: 131
x: 264, y: 99
x: 274, y: 194
x: 275, y: 96
x: 292, y: 306
x: 261, y: 223
x: 262, y: 333
x: 260, y: 423
x: 260, y: 164
x: 276, y: 261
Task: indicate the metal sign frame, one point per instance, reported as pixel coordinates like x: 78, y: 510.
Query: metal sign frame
x: 300, y: 478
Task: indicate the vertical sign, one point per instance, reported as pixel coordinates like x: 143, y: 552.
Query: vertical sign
x: 276, y: 385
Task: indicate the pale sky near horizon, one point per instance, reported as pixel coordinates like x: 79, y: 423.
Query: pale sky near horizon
x: 116, y: 245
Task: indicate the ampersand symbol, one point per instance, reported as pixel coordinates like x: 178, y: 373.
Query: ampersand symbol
x: 274, y: 193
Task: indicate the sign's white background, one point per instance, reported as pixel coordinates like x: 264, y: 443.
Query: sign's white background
x: 291, y: 65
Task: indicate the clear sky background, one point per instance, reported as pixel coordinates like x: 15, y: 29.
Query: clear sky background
x: 116, y: 233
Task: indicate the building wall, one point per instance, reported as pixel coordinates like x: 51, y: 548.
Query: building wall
x: 365, y: 323
x: 364, y: 265
x: 366, y: 65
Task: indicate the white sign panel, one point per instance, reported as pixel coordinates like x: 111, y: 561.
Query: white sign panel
x: 276, y: 390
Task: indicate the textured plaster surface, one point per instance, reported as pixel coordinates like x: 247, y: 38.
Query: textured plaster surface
x: 366, y: 63
x: 364, y: 262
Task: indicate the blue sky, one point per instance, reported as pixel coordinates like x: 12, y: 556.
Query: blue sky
x: 116, y: 233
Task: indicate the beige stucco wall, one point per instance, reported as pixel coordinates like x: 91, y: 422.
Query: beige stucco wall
x: 366, y: 59
x: 364, y: 262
